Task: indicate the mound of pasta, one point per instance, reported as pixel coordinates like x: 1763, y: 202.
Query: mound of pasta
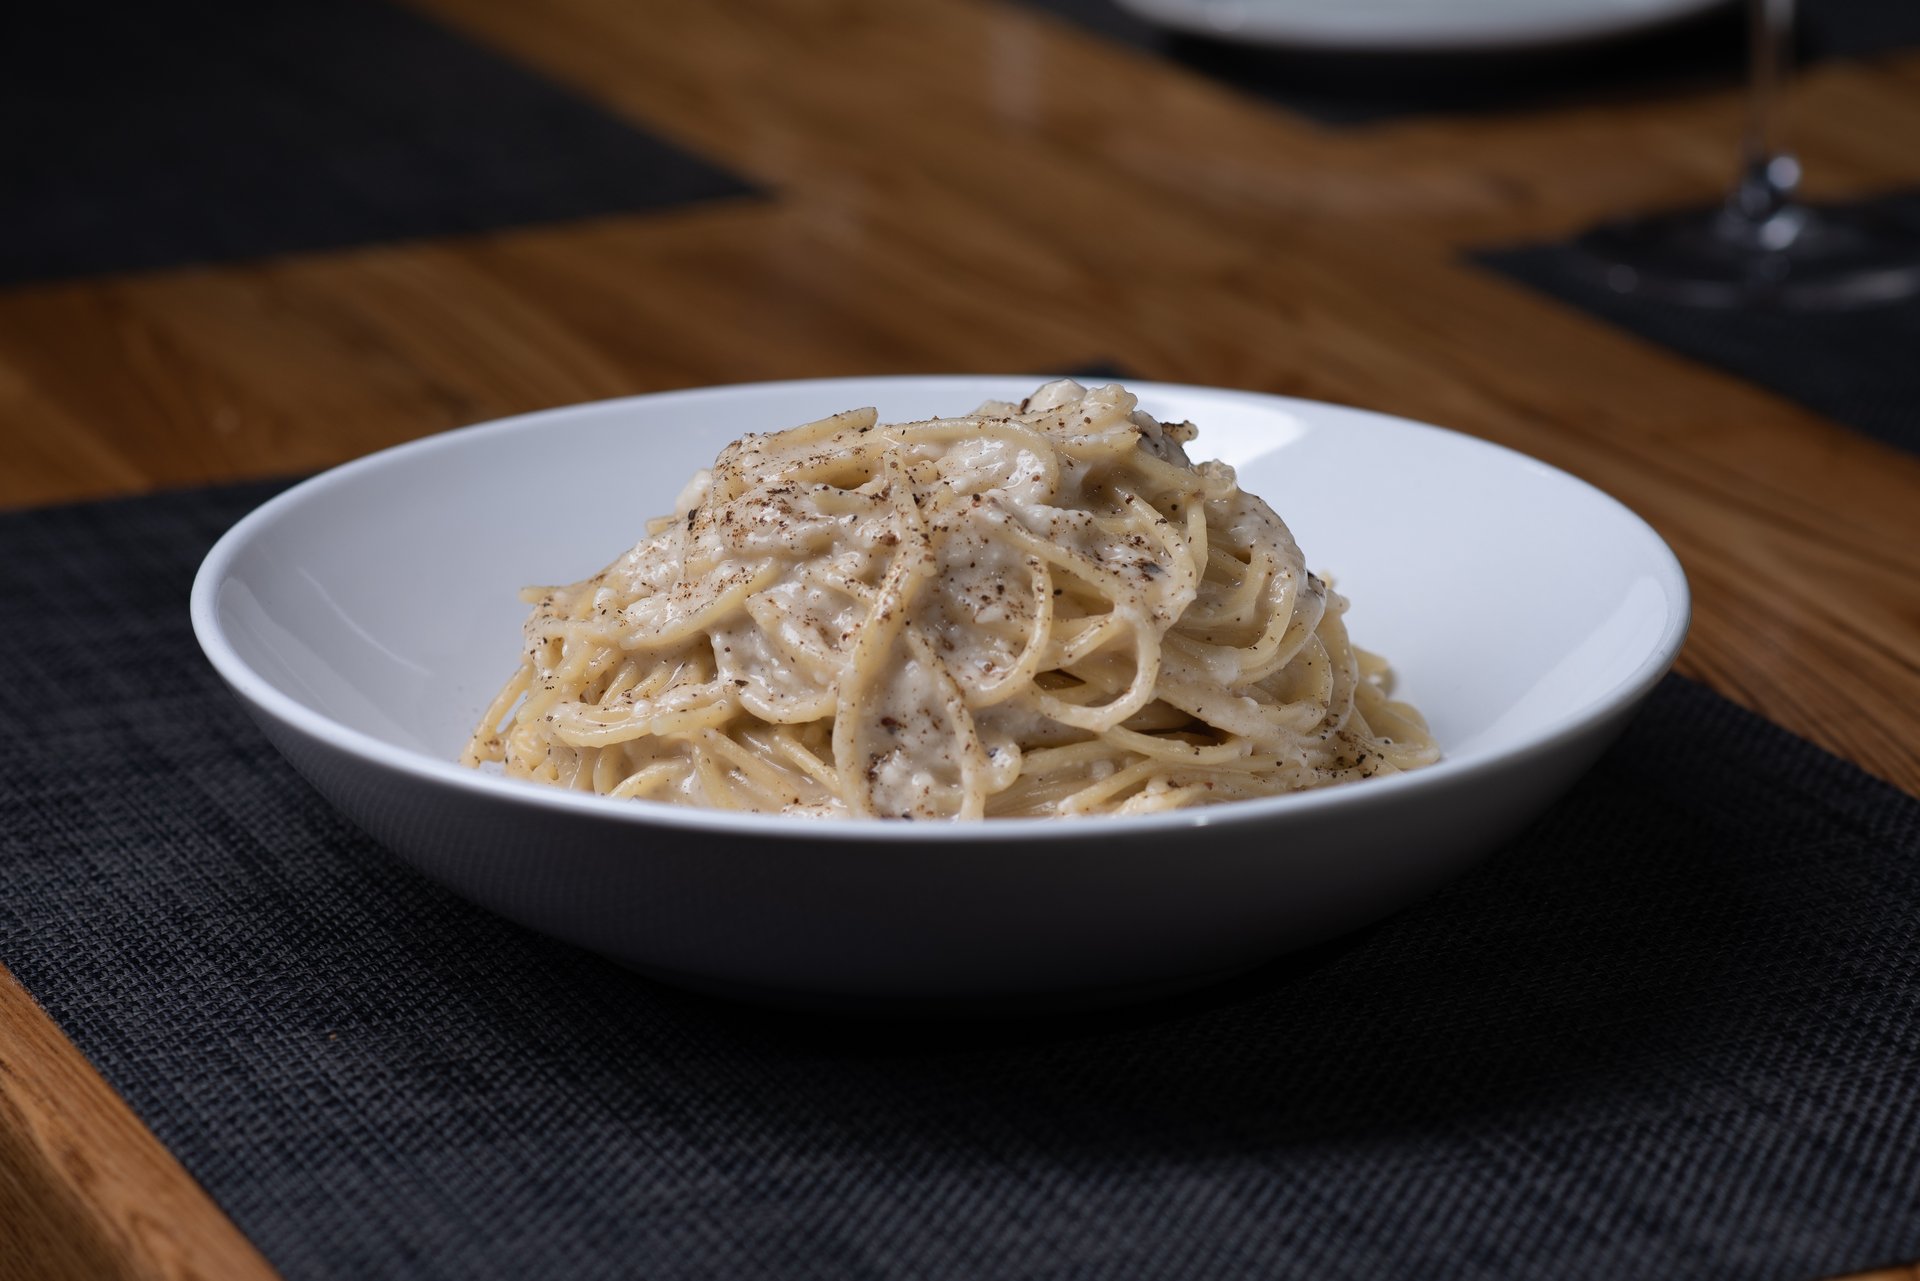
x: 1035, y: 609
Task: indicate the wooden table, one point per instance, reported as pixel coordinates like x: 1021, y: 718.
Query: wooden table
x: 1042, y: 199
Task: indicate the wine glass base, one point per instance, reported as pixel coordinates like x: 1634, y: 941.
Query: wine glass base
x: 1803, y: 258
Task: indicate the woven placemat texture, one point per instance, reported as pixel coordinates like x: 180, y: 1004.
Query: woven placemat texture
x: 145, y: 136
x: 1671, y: 1032
x: 1861, y: 367
x: 1338, y: 88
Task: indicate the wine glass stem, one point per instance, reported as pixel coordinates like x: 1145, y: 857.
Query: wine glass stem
x: 1769, y: 175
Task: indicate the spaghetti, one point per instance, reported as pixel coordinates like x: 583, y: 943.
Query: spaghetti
x: 1035, y: 609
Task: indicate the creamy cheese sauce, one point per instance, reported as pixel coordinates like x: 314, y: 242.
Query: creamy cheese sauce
x: 1042, y: 608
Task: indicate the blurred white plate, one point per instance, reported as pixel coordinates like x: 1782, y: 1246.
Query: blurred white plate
x: 367, y: 616
x: 1413, y: 26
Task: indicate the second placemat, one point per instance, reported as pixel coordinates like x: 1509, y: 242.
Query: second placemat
x: 1858, y: 367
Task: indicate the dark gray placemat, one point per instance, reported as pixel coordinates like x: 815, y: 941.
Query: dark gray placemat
x: 1859, y: 367
x: 1671, y: 1032
x: 144, y: 135
x: 1361, y: 88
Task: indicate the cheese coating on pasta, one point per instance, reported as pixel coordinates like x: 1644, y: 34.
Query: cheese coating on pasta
x: 1042, y: 609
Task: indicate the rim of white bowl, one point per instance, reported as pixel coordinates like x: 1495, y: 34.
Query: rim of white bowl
x: 255, y: 689
x: 1325, y: 29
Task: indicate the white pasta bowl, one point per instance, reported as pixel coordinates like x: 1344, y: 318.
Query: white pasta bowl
x: 366, y: 617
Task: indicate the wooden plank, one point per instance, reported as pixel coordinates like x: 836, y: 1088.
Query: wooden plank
x: 86, y: 1191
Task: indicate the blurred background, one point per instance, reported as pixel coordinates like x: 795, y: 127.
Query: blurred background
x: 258, y: 238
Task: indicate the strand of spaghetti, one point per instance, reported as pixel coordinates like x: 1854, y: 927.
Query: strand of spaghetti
x: 578, y: 729
x: 1309, y: 681
x: 735, y: 586
x: 835, y: 579
x: 608, y: 771
x: 1072, y: 756
x: 1174, y: 749
x: 1231, y: 606
x: 1345, y: 672
x: 1171, y: 479
x: 622, y: 681
x: 648, y: 779
x: 749, y: 764
x: 1246, y: 664
x: 1146, y: 671
x: 1176, y: 553
x: 967, y: 754
x: 834, y: 429
x: 799, y: 651
x: 1109, y: 581
x: 1084, y: 637
x: 485, y: 743
x: 788, y: 744
x: 1083, y: 801
x: 911, y: 565
x: 1028, y: 440
x: 853, y: 461
x: 1026, y: 665
x: 712, y: 781
x: 1241, y: 713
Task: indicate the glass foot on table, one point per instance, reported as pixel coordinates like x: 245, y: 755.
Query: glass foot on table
x: 1795, y: 258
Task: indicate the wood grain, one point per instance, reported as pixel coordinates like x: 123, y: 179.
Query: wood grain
x: 966, y: 185
x: 86, y: 1191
